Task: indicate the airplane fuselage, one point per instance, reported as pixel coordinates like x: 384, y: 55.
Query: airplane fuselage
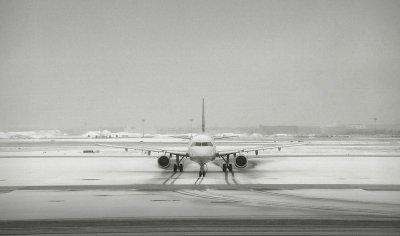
x: 202, y: 149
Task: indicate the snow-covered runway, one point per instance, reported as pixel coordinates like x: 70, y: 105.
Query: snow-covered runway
x: 328, y: 179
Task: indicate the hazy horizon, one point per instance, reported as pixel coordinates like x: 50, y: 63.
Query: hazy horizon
x: 71, y: 64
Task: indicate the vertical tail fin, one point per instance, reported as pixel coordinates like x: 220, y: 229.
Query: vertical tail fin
x: 203, y: 122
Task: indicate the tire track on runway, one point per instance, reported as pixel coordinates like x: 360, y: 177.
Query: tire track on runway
x: 174, y: 179
x: 197, y: 180
x: 233, y: 178
x: 331, y: 208
x: 170, y: 177
x: 274, y: 203
x: 239, y: 187
x: 226, y: 179
x: 391, y: 206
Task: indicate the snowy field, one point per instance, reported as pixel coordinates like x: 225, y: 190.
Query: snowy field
x: 329, y: 178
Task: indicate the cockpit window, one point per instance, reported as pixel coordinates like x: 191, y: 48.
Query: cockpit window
x: 204, y: 144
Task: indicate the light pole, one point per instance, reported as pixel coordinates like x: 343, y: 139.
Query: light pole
x: 191, y: 126
x: 143, y: 127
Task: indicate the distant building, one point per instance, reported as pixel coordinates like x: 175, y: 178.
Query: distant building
x: 289, y: 129
x: 171, y: 130
x: 307, y: 130
x: 357, y: 126
x: 269, y: 130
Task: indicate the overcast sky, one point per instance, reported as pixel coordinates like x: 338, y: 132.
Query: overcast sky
x: 73, y: 63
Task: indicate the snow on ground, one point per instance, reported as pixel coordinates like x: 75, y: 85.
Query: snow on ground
x: 355, y: 195
x: 89, y: 204
x: 144, y: 170
x: 322, y: 162
x: 116, y: 204
x: 55, y: 168
x: 41, y: 134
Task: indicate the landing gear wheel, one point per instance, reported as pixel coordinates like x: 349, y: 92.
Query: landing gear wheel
x: 224, y: 167
x: 230, y: 167
x: 200, y: 173
x: 181, y: 167
x: 204, y: 174
x: 175, y: 167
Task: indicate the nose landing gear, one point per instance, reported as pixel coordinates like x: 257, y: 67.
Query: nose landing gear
x: 202, y: 171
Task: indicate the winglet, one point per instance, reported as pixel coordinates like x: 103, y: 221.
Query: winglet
x: 203, y: 122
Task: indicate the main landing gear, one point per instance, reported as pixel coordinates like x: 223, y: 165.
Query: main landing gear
x: 180, y: 167
x: 178, y: 164
x: 226, y: 165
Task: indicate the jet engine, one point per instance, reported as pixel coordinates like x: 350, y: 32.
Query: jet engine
x: 164, y: 162
x: 241, y: 161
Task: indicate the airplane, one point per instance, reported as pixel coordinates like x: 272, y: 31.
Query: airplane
x: 202, y: 149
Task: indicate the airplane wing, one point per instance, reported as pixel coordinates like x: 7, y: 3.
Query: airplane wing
x: 147, y: 149
x: 225, y: 136
x: 260, y: 148
x: 180, y: 136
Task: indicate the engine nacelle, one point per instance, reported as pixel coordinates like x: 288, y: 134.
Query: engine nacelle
x: 241, y: 161
x: 164, y: 162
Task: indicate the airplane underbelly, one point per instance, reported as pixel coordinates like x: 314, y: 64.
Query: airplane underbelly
x: 201, y: 159
x: 202, y: 155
